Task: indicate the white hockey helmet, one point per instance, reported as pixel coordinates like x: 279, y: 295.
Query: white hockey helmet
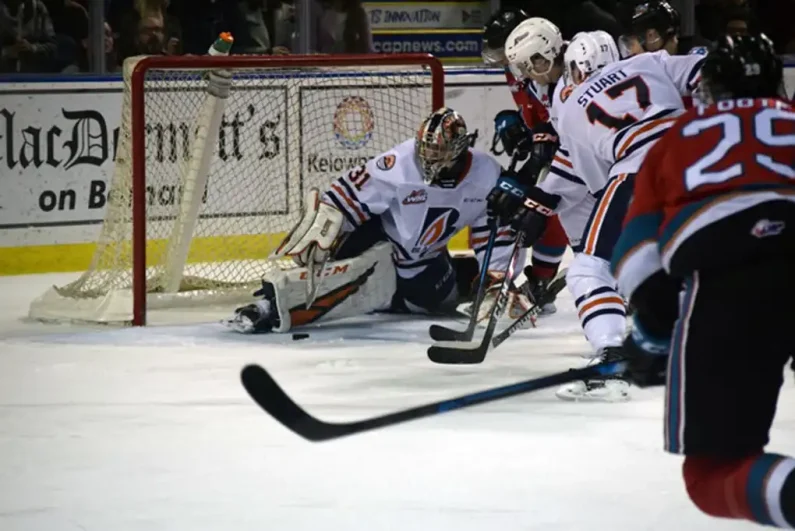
x: 532, y: 47
x: 589, y: 52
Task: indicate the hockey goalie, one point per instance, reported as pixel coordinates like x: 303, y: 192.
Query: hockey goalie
x: 376, y: 239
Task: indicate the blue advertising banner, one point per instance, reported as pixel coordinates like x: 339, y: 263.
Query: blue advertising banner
x: 385, y: 15
x: 445, y: 44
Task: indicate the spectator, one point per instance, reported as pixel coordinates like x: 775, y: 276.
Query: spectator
x: 147, y: 29
x: 776, y: 20
x: 573, y: 16
x: 263, y: 27
x: 342, y: 27
x: 27, y: 38
x: 201, y: 22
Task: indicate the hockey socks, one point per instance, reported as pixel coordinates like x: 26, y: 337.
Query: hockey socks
x: 760, y: 488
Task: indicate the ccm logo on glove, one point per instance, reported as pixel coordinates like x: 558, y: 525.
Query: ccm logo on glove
x: 513, y: 190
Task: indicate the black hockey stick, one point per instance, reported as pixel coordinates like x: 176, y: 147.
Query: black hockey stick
x: 442, y: 333
x: 548, y: 296
x: 272, y: 398
x: 454, y: 352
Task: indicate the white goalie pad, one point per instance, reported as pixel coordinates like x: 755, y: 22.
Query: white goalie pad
x: 350, y: 287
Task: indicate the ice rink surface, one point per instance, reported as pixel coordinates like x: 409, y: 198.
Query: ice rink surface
x: 109, y: 429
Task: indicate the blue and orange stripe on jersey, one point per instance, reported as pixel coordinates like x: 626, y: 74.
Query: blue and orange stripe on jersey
x: 344, y: 198
x: 643, y: 132
x: 600, y: 215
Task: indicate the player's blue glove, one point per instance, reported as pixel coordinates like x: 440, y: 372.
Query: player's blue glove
x: 647, y: 356
x: 510, y: 128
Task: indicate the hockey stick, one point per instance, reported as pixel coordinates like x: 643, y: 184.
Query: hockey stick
x: 443, y: 333
x: 549, y: 295
x: 261, y: 386
x: 450, y: 352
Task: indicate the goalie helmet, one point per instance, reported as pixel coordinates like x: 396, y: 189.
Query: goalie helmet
x: 441, y: 142
x: 589, y: 52
x: 743, y: 66
x: 658, y: 15
x: 496, y: 32
x: 533, y: 48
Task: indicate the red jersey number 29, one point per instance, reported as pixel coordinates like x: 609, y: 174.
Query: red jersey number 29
x: 732, y: 135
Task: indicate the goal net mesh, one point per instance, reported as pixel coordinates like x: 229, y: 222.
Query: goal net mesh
x: 228, y: 159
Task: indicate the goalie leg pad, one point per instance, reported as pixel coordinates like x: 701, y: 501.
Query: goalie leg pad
x: 599, y: 306
x: 350, y: 287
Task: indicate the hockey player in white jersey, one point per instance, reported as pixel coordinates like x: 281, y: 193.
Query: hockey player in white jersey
x: 376, y: 240
x: 609, y: 121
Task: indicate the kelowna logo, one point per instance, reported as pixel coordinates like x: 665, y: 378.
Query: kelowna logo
x: 439, y: 225
x: 415, y: 197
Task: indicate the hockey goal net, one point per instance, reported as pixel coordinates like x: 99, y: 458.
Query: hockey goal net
x: 213, y: 160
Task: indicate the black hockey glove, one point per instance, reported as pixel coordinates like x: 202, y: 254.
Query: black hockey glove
x: 531, y: 218
x: 656, y: 308
x: 515, y: 136
x: 647, y: 356
x: 545, y: 144
x: 505, y: 199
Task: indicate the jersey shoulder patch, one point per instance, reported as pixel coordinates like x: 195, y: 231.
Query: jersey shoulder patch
x: 698, y: 50
x: 385, y: 162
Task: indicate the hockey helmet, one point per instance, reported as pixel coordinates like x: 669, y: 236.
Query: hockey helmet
x: 741, y: 66
x: 496, y: 32
x: 589, y: 52
x: 533, y: 47
x: 658, y: 15
x: 441, y: 141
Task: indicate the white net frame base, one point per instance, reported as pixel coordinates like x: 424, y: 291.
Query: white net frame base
x: 185, y: 229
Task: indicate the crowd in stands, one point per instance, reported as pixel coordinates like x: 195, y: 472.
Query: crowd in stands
x: 53, y: 35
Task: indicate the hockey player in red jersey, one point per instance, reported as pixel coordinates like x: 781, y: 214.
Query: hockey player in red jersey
x: 713, y: 209
x: 513, y: 128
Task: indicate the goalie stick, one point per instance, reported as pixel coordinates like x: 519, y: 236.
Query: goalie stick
x: 264, y: 390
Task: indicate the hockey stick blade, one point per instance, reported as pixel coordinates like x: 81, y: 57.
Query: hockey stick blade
x: 458, y: 352
x: 271, y: 398
x: 442, y: 333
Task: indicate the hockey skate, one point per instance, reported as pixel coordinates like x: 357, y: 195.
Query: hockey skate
x: 258, y: 317
x: 535, y: 288
x: 598, y: 389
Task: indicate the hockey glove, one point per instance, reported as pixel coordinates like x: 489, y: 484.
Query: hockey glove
x: 533, y: 213
x: 505, y: 199
x: 647, y: 357
x: 510, y: 128
x: 544, y: 146
x: 519, y: 300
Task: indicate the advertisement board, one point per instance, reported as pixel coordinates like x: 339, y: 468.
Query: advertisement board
x: 387, y: 15
x: 58, y: 142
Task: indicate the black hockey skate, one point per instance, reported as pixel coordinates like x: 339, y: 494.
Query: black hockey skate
x: 258, y: 317
x: 599, y: 389
x: 536, y: 288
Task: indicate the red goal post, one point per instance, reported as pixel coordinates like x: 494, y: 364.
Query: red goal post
x: 201, y: 193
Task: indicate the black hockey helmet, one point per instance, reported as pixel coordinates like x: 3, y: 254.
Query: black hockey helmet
x: 741, y: 66
x: 657, y: 15
x: 496, y: 32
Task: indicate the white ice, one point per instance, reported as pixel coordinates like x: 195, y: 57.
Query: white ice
x: 149, y: 429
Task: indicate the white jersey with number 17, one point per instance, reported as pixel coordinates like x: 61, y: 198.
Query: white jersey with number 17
x: 612, y: 119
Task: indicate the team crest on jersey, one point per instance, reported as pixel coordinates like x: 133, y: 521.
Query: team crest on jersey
x: 439, y: 224
x: 415, y: 197
x: 766, y: 227
x: 387, y: 162
x: 698, y: 50
x: 565, y: 93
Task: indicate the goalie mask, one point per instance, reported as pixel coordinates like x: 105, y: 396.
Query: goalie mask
x: 441, y: 146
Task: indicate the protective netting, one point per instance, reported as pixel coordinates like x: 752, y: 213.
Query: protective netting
x: 268, y: 134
